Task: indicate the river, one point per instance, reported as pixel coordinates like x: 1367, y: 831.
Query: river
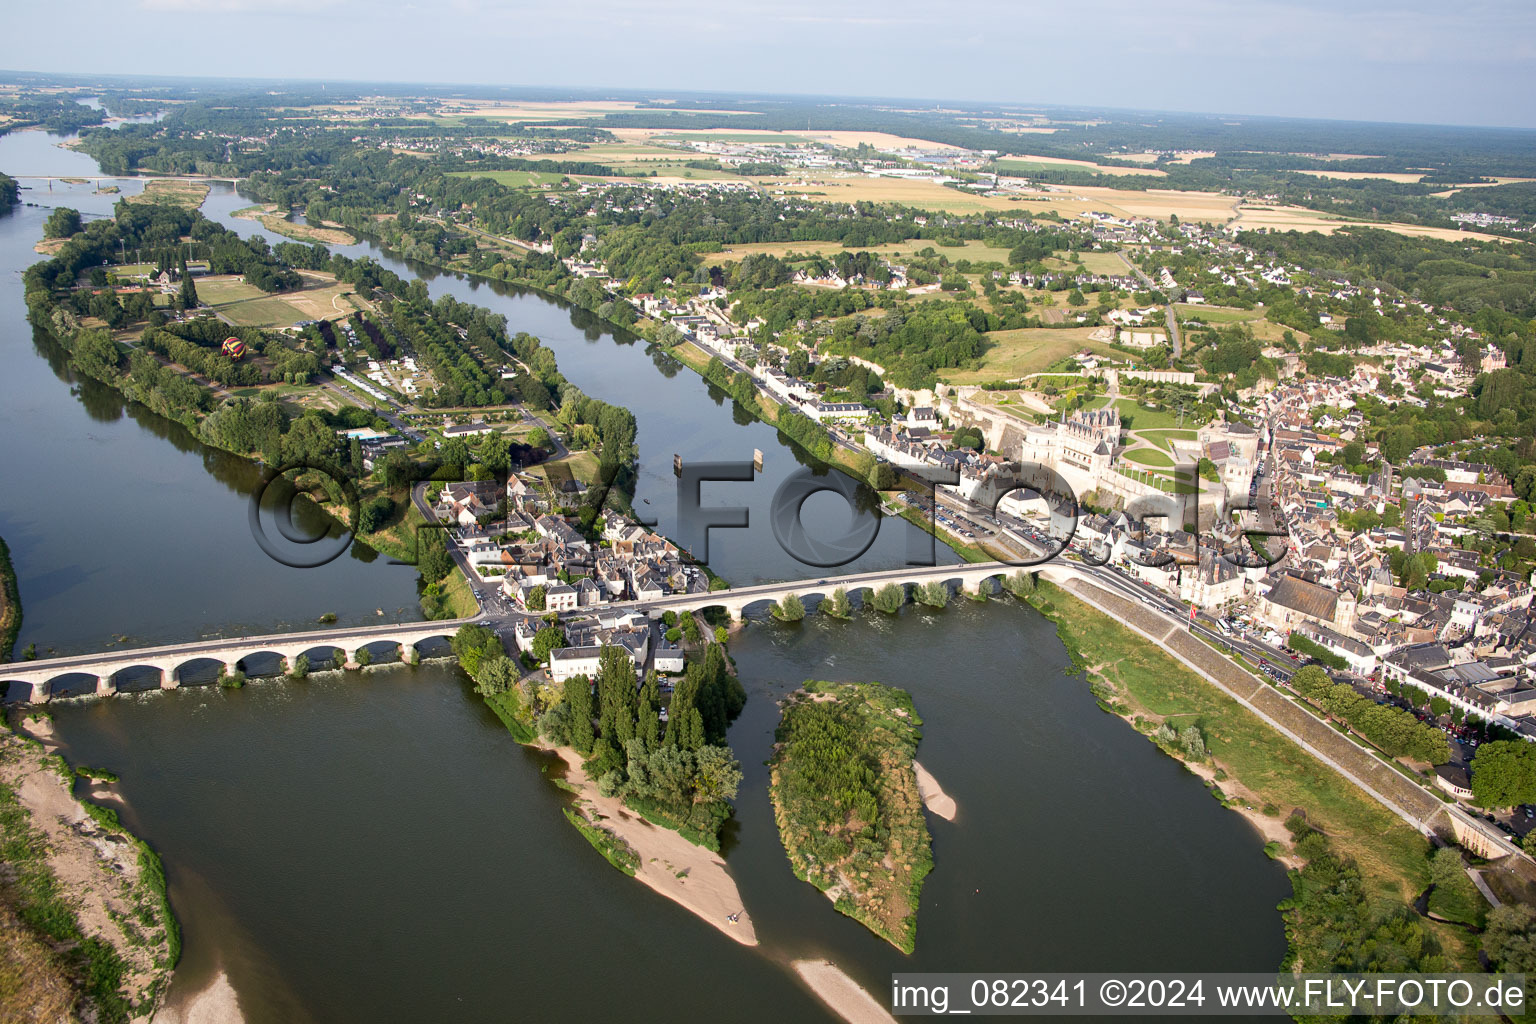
x: 374, y: 847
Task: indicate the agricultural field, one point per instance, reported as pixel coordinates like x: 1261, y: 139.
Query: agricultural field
x: 1028, y: 350
x: 514, y: 179
x: 1211, y: 207
x: 725, y: 135
x: 974, y: 250
x: 1029, y: 164
x: 1296, y: 218
x: 322, y: 298
x: 513, y: 110
x: 855, y: 188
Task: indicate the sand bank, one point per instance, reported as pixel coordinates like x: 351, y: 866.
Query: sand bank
x: 97, y: 867
x: 216, y: 1004
x: 934, y: 797
x: 685, y: 873
x: 841, y: 993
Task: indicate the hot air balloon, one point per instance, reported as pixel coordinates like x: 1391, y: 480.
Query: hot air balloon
x: 233, y: 347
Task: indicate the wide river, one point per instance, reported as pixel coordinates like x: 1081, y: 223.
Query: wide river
x: 376, y: 848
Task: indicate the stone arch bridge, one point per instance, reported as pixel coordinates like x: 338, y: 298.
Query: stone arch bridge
x: 170, y: 661
x: 971, y: 576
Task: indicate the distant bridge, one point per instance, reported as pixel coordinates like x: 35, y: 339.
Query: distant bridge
x: 964, y: 576
x: 170, y: 661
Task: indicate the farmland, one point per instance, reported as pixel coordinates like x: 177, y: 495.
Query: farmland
x: 1296, y: 218
x: 514, y: 179
x: 1030, y: 164
x: 974, y: 250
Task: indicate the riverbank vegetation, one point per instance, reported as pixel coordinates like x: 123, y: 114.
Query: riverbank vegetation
x: 677, y: 772
x: 93, y: 929
x: 846, y: 801
x: 10, y: 604
x: 180, y: 370
x: 1374, y: 860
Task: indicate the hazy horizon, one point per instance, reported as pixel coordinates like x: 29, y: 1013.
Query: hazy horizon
x: 1411, y: 62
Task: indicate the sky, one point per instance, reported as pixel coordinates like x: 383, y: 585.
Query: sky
x: 1471, y: 62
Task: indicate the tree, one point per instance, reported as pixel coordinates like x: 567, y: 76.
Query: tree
x: 434, y: 562
x: 187, y: 296
x: 474, y: 646
x: 1510, y: 938
x: 838, y: 606
x: 300, y: 666
x: 535, y: 598
x: 1021, y: 584
x: 890, y: 598
x: 934, y: 594
x: 789, y: 609
x: 62, y: 223
x: 375, y: 513
x: 722, y: 634
x: 1504, y: 774
x: 550, y: 638
x: 578, y: 697
x: 968, y: 437
x: 1397, y: 443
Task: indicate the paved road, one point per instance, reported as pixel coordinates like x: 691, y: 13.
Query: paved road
x: 1173, y: 318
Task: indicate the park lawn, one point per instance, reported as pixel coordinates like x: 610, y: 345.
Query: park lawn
x: 1149, y: 457
x: 1015, y: 353
x: 266, y: 312
x: 581, y: 466
x: 457, y: 598
x: 1217, y: 314
x: 1133, y: 415
x: 1390, y: 853
x: 1107, y: 263
x: 218, y: 291
x: 1162, y: 437
x: 322, y: 298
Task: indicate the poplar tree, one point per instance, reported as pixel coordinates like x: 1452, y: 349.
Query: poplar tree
x: 578, y: 696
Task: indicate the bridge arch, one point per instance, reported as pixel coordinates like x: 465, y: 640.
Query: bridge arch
x: 69, y: 684
x: 202, y: 670
x: 132, y: 679
x: 268, y: 663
